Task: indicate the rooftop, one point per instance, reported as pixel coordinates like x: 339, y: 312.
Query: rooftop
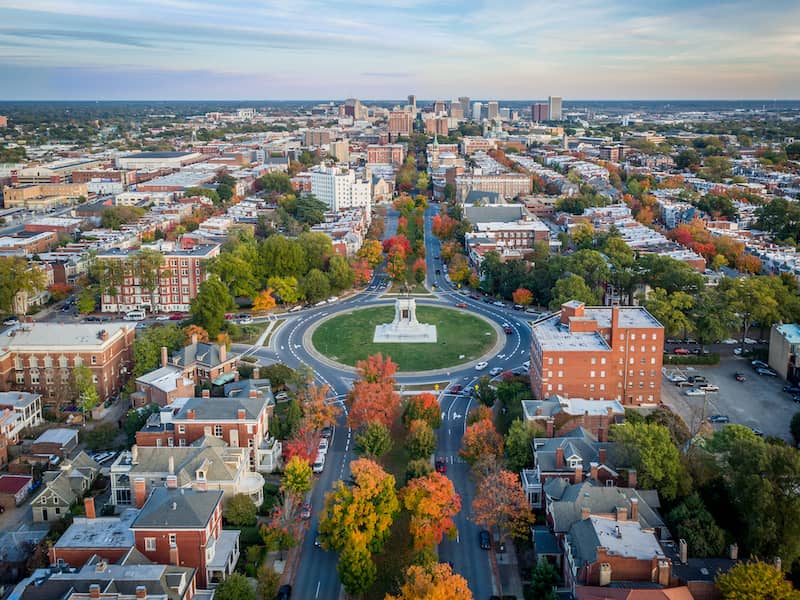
x: 18, y: 399
x: 61, y: 436
x: 101, y: 532
x: 157, y: 155
x: 621, y: 538
x: 791, y: 331
x: 571, y: 406
x: 177, y: 508
x: 11, y: 484
x: 54, y: 336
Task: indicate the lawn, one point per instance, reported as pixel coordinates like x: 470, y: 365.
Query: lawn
x: 462, y: 337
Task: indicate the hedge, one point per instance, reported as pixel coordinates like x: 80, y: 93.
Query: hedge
x: 691, y: 359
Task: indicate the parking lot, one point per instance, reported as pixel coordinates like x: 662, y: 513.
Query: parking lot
x: 757, y: 402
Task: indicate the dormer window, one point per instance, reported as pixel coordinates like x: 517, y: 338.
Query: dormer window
x: 574, y: 462
x: 201, y: 475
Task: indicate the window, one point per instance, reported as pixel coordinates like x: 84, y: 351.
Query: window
x: 48, y: 362
x: 561, y: 374
x: 94, y: 378
x: 33, y: 361
x: 35, y: 376
x: 633, y: 336
x: 94, y: 359
x: 550, y: 361
x: 78, y: 361
x: 592, y: 374
x: 603, y: 360
x: 561, y: 360
x: 560, y: 387
x: 602, y: 373
x: 250, y: 429
x: 594, y: 360
x: 18, y: 364
x: 20, y: 377
x: 181, y: 428
x: 591, y: 387
x: 549, y: 387
x: 652, y: 348
x: 58, y: 510
x: 173, y: 540
x: 655, y: 336
x: 652, y: 361
x: 218, y: 431
x: 182, y: 442
x: 150, y: 544
x: 602, y: 387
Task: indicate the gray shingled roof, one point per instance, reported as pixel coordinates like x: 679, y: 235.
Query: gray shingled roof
x: 222, y: 409
x: 177, y: 509
x: 186, y: 461
x: 201, y: 353
x: 578, y: 442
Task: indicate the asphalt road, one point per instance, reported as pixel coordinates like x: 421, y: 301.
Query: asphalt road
x: 317, y: 578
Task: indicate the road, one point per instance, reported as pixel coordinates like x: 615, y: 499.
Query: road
x: 317, y: 577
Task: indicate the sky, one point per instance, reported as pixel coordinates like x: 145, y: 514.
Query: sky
x: 318, y: 49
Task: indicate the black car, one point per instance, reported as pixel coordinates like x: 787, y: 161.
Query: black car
x: 284, y: 592
x: 485, y: 540
x: 791, y: 389
x: 326, y: 432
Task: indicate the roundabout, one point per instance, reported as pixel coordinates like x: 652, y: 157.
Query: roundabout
x: 346, y: 337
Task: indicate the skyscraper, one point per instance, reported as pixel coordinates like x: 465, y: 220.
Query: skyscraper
x: 554, y: 107
x: 492, y: 110
x: 456, y: 110
x: 439, y: 107
x: 412, y: 100
x: 464, y: 104
x: 476, y: 111
x: 539, y: 112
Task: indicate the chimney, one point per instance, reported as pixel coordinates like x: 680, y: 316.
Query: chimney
x: 733, y: 551
x: 777, y: 563
x: 194, y: 338
x: 88, y: 508
x: 551, y: 427
x: 171, y: 465
x: 164, y: 356
x: 614, y: 321
x: 174, y: 559
x: 141, y: 592
x: 223, y: 353
x: 256, y: 373
x: 172, y: 481
x: 593, y: 468
x: 683, y: 551
x: 631, y: 478
x: 205, y: 394
x: 253, y: 393
x: 190, y: 414
x: 664, y: 572
x: 538, y: 411
x: 559, y: 458
x: 134, y: 454
x: 578, y: 474
x: 241, y: 414
x: 585, y: 513
x: 139, y: 491
x: 602, y: 436
x: 201, y: 485
x: 94, y: 590
x: 622, y: 515
x: 634, y: 509
x: 605, y: 574
x: 601, y: 456
x: 617, y: 531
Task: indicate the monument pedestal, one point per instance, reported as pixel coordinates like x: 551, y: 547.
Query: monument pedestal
x: 405, y: 328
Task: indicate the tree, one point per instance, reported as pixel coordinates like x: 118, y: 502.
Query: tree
x: 649, y: 449
x: 264, y: 301
x: 356, y: 569
x: 687, y: 159
x: 484, y: 391
x: 433, y: 502
x: 275, y: 182
x: 419, y: 270
x: 318, y: 248
x: 236, y: 272
x: 480, y: 439
x: 285, y: 288
x: 268, y: 582
x: 421, y: 441
x: 418, y: 468
x: 297, y: 477
x: 373, y: 397
x: 100, y: 437
x: 572, y: 287
x: 309, y: 210
x: 302, y: 444
x: 88, y: 397
x: 692, y: 522
x: 423, y: 406
x: 716, y: 168
x: 340, y: 273
x: 522, y: 297
x: 373, y: 441
x: 202, y: 192
x: 316, y: 286
x: 582, y: 235
x: 422, y: 181
x: 86, y: 301
x: 371, y: 251
x: 317, y: 411
x: 433, y: 582
x: 240, y: 511
x: 544, y: 578
x: 396, y: 267
x: 518, y: 445
x: 755, y: 580
x: 114, y: 217
x: 794, y: 427
x: 193, y: 333
x: 671, y: 310
x: 459, y: 268
x: 500, y: 504
x: 210, y: 305
x: 281, y: 257
x: 235, y: 587
x: 147, y: 347
x: 18, y: 276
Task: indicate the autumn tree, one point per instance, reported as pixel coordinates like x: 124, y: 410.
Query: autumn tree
x: 433, y: 582
x: 191, y: 331
x: 522, y: 296
x: 500, y: 504
x: 433, y: 502
x: 396, y: 267
x: 318, y: 412
x: 443, y: 227
x: 755, y: 580
x: 287, y: 289
x: 264, y: 301
x: 421, y: 441
x: 459, y: 268
x: 373, y: 441
x: 479, y: 439
x: 240, y: 511
x: 303, y: 444
x: 419, y: 270
x: 373, y: 397
x: 362, y: 273
x: 423, y: 406
x: 371, y: 251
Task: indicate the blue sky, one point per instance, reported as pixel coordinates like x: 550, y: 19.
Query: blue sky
x: 509, y: 49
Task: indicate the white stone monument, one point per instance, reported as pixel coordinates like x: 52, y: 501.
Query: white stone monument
x: 405, y: 328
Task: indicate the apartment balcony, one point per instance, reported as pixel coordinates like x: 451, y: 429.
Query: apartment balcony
x: 268, y: 455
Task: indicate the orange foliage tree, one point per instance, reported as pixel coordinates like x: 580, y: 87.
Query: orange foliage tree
x: 373, y: 398
x: 361, y: 271
x: 317, y: 411
x: 396, y: 266
x: 500, y: 504
x: 264, y: 301
x: 433, y: 502
x: 433, y: 582
x: 397, y: 242
x: 443, y: 227
x: 202, y: 334
x: 424, y: 407
x: 747, y: 263
x: 419, y: 270
x: 303, y: 444
x: 459, y: 268
x: 522, y: 296
x: 479, y: 439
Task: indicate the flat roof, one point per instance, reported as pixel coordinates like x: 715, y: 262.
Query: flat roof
x: 54, y: 336
x: 18, y: 399
x: 632, y: 541
x: 100, y: 532
x: 59, y: 435
x: 11, y: 484
x: 157, y: 155
x: 791, y: 332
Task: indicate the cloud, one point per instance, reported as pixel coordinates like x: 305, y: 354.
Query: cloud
x: 84, y: 36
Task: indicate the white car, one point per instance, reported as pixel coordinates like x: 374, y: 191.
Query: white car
x: 737, y: 351
x: 730, y: 341
x: 498, y: 303
x: 11, y: 321
x: 495, y: 371
x: 319, y: 463
x: 481, y: 365
x: 323, y: 446
x: 707, y: 387
x: 245, y: 320
x: 694, y: 392
x: 675, y: 378
x: 162, y: 318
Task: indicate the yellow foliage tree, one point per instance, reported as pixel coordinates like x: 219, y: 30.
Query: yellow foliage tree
x: 437, y: 582
x: 264, y: 301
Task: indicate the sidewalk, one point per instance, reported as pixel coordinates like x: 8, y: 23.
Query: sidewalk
x: 508, y: 571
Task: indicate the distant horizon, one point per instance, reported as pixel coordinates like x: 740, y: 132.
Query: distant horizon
x: 394, y: 100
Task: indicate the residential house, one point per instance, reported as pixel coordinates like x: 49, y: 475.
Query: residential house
x: 107, y: 538
x: 63, y: 488
x: 58, y: 441
x: 558, y: 415
x: 14, y: 489
x: 162, y: 386
x: 203, y: 362
x: 27, y: 406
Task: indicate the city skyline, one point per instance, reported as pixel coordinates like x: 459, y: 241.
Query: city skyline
x: 313, y: 50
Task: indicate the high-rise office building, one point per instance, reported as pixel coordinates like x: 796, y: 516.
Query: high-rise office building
x: 456, y: 110
x: 439, y: 107
x: 400, y: 123
x: 412, y: 101
x: 477, y: 107
x: 492, y: 110
x: 539, y: 112
x: 554, y: 107
x: 464, y: 100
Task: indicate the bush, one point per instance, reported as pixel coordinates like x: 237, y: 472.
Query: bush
x: 691, y: 359
x: 101, y: 437
x: 240, y: 511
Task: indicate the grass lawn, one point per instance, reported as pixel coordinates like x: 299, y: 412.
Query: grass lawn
x: 415, y: 288
x: 247, y: 334
x: 462, y: 337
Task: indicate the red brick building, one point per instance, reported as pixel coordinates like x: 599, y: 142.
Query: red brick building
x: 388, y: 154
x: 109, y: 538
x: 400, y: 123
x: 184, y: 528
x: 38, y: 357
x: 604, y: 353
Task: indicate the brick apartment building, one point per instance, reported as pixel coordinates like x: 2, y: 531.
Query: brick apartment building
x: 604, y: 353
x: 184, y: 528
x: 437, y: 126
x: 316, y: 137
x: 40, y: 196
x: 472, y: 144
x: 400, y: 123
x: 508, y: 185
x: 37, y: 357
x: 388, y: 154
x: 178, y: 283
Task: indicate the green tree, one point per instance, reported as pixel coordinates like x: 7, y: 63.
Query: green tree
x: 282, y: 257
x: 101, y: 437
x: 318, y: 248
x: 671, y: 310
x: 755, y: 580
x: 544, y: 578
x: 591, y: 265
x: 235, y: 272
x: 687, y: 159
x: 374, y: 441
x: 356, y: 570
x: 649, y: 449
x: 86, y: 301
x: 418, y: 468
x: 422, y: 181
x: 268, y: 582
x: 114, y: 217
x: 340, y: 273
x: 147, y: 347
x: 716, y: 168
x: 572, y: 287
x: 485, y: 393
x: 518, y: 445
x: 209, y: 306
x: 201, y: 191
x: 750, y: 300
x: 692, y: 522
x: 286, y: 288
x: 316, y: 286
x: 421, y: 441
x: 309, y: 210
x: 235, y: 587
x: 88, y: 397
x: 275, y: 182
x: 794, y: 427
x: 240, y: 511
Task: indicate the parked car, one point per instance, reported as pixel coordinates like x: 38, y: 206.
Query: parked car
x: 461, y: 305
x: 280, y: 396
x: 681, y: 351
x: 498, y: 303
x: 485, y: 540
x: 441, y: 465
x: 163, y: 318
x: 474, y: 296
x: 481, y: 365
x: 737, y: 351
x: 495, y: 371
x: 675, y: 377
x: 791, y: 389
x: 757, y: 431
x: 305, y: 510
x: 707, y: 387
x: 766, y: 372
x: 739, y: 376
x: 323, y: 446
x: 488, y: 300
x: 176, y: 317
x: 759, y: 364
x: 284, y: 592
x: 317, y: 541
x: 697, y: 379
x: 518, y: 307
x: 244, y: 319
x: 719, y: 419
x: 326, y: 432
x: 11, y: 321
x: 694, y: 392
x: 319, y: 464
